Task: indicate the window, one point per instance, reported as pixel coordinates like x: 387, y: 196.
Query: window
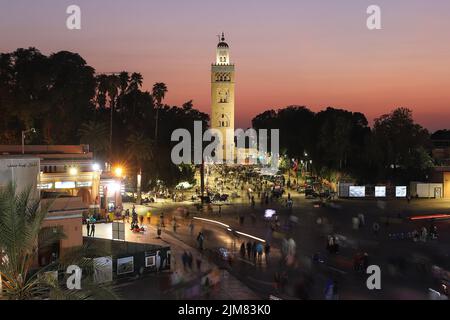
x: 224, y: 121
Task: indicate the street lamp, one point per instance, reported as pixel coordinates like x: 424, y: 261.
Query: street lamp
x: 73, y: 171
x: 118, y: 171
x: 32, y: 130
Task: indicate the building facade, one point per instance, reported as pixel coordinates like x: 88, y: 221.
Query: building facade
x: 71, y: 170
x: 222, y: 96
x: 68, y: 181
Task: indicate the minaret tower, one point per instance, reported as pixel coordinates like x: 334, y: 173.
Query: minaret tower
x: 222, y: 94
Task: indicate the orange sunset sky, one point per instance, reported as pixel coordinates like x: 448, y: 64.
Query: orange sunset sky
x: 313, y: 53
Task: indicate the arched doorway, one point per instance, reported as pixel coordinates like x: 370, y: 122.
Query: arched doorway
x: 85, y: 195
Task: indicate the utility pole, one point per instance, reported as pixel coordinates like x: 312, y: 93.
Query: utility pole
x: 33, y: 130
x: 202, y: 180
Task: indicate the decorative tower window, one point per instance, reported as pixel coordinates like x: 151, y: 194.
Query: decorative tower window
x: 222, y: 96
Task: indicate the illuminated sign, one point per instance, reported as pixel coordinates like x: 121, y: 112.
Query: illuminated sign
x: 380, y: 191
x: 45, y: 186
x: 357, y: 192
x: 84, y: 184
x: 400, y: 191
x: 65, y: 184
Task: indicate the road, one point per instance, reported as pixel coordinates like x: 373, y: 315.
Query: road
x: 405, y: 264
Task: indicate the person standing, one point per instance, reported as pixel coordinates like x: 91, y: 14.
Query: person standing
x: 267, y: 252
x: 329, y: 289
x: 161, y: 219
x: 93, y: 230
x: 376, y: 228
x: 191, y: 227
x: 241, y: 219
x: 159, y: 231
x: 198, y: 261
x: 259, y: 249
x: 88, y: 228
x: 200, y: 239
x: 242, y: 250
x: 127, y: 215
x: 249, y: 250
x: 189, y: 260
x: 254, y: 251
x: 174, y: 225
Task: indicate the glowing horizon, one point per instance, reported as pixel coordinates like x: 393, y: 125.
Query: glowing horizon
x: 316, y: 54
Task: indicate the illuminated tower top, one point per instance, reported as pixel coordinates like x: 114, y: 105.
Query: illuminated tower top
x: 222, y: 52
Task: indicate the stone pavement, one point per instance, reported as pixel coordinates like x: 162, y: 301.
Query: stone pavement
x: 229, y: 288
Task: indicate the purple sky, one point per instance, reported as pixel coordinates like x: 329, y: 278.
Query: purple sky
x: 314, y: 53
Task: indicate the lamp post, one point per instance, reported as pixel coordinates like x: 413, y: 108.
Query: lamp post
x: 33, y: 130
x: 138, y: 187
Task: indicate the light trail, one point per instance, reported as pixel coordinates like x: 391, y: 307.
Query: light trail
x: 213, y: 221
x: 250, y: 236
x: 229, y: 229
x: 433, y: 216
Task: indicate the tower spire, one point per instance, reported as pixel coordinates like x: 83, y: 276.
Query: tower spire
x: 223, y: 37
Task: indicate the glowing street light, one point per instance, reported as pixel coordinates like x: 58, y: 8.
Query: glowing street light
x: 118, y: 171
x: 96, y: 167
x: 73, y: 171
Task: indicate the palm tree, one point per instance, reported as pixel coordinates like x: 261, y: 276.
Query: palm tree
x: 113, y: 85
x: 124, y: 80
x: 139, y: 150
x: 96, y: 135
x: 136, y: 81
x: 102, y: 85
x: 158, y: 93
x: 21, y: 220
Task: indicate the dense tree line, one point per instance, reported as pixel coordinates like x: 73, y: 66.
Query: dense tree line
x: 340, y: 142
x: 68, y: 103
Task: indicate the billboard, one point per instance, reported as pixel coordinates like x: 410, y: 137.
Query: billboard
x: 24, y: 172
x: 380, y: 191
x: 357, y: 191
x: 103, y: 269
x: 125, y: 265
x: 400, y: 191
